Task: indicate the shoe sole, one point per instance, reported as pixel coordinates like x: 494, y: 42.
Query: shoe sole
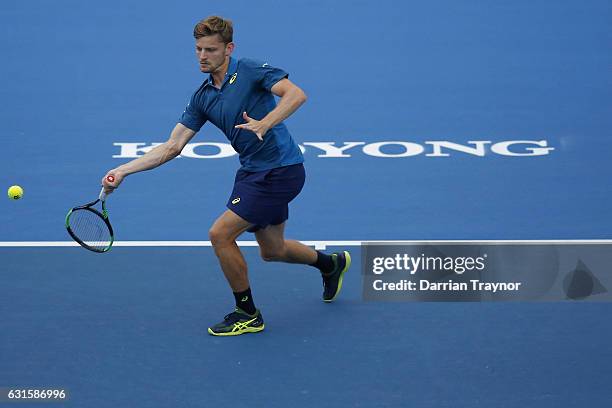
x: 347, y: 256
x: 239, y: 332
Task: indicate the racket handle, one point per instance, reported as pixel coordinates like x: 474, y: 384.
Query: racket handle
x: 102, y: 196
x: 111, y: 179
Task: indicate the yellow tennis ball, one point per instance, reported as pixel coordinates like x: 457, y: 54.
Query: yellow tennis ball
x: 15, y: 192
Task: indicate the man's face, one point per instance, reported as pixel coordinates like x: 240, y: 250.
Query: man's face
x: 211, y: 52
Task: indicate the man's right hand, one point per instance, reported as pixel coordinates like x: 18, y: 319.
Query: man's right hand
x: 117, y: 178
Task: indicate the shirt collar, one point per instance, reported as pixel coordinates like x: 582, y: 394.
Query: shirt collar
x: 231, y: 70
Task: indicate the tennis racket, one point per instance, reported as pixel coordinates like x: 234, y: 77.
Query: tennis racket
x: 89, y: 227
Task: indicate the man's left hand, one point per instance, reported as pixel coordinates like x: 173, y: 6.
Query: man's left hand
x: 256, y: 126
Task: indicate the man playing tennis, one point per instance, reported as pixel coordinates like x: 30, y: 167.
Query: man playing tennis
x: 238, y: 98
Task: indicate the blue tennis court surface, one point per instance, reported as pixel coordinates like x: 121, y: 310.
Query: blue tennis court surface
x: 425, y: 121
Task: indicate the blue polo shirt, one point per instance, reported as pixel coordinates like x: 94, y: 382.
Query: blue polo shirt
x: 246, y: 88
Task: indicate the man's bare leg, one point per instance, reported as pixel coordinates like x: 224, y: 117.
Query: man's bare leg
x: 223, y: 236
x: 274, y: 247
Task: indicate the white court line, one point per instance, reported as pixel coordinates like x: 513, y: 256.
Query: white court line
x: 316, y: 244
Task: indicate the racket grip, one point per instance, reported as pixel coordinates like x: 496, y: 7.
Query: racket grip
x: 102, y: 195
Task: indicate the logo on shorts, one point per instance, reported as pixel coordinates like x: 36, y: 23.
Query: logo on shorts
x: 233, y: 78
x: 236, y: 200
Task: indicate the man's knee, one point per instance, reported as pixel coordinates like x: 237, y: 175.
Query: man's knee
x: 273, y: 254
x: 218, y: 236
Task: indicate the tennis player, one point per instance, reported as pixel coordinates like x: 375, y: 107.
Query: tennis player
x: 238, y: 98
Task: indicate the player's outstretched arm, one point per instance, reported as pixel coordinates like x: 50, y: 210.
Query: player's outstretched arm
x: 180, y: 136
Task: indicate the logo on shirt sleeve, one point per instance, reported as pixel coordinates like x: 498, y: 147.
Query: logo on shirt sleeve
x: 233, y: 78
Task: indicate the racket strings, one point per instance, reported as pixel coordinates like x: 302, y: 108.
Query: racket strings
x: 90, y: 228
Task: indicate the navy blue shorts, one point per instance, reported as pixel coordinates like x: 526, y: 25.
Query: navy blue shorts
x: 262, y: 197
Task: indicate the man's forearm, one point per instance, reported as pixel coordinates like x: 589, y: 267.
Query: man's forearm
x: 286, y: 106
x: 154, y: 158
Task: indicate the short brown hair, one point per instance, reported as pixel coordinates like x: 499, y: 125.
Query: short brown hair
x: 214, y: 25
